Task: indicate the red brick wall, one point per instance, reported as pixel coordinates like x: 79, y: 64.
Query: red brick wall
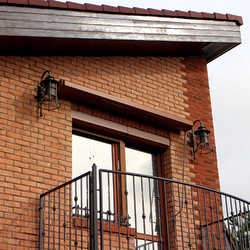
x: 204, y: 167
x: 36, y: 152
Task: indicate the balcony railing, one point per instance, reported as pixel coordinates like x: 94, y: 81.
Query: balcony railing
x: 119, y: 210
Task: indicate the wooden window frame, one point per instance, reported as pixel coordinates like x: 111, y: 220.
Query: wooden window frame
x: 119, y: 164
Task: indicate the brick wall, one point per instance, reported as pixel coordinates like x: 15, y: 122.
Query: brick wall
x: 204, y: 168
x: 36, y: 152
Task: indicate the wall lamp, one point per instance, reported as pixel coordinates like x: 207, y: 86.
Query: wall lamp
x: 47, y: 93
x: 199, y: 140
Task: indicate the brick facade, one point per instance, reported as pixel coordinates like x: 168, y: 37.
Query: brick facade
x: 36, y: 151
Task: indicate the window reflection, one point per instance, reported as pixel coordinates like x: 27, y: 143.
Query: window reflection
x: 139, y: 162
x: 142, y: 191
x: 85, y: 153
x: 89, y: 151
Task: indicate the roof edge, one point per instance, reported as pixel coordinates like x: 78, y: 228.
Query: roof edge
x: 123, y: 10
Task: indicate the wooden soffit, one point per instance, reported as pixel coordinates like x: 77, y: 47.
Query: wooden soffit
x: 67, y: 32
x: 79, y: 93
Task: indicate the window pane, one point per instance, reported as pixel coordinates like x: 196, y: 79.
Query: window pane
x: 141, y: 201
x: 85, y: 153
x: 139, y: 162
x: 88, y: 151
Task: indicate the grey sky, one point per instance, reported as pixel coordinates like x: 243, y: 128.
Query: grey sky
x: 229, y: 78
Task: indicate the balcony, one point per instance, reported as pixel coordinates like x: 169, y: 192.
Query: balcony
x: 119, y: 210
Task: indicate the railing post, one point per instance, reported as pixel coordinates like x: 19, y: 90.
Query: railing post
x: 93, y: 209
x: 101, y: 210
x: 41, y: 224
x: 203, y: 237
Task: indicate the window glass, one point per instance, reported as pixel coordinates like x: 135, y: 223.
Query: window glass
x: 138, y: 162
x: 141, y: 191
x: 89, y: 151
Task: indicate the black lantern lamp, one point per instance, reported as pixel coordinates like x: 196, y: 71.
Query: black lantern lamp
x: 199, y: 140
x: 47, y: 93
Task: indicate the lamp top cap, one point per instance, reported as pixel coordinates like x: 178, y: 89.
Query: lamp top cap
x: 48, y: 79
x: 201, y: 129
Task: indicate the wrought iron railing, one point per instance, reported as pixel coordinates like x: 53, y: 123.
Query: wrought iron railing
x: 122, y: 210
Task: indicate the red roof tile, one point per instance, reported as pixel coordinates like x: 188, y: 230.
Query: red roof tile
x: 237, y: 19
x: 124, y: 10
x: 57, y: 4
x: 76, y: 6
x: 155, y: 12
x: 18, y: 2
x: 169, y: 13
x: 208, y: 15
x: 140, y: 11
x: 38, y: 3
x: 194, y: 14
x: 93, y: 7
x: 219, y: 16
x: 111, y: 9
x: 182, y: 13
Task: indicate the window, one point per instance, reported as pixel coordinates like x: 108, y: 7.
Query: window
x: 127, y: 195
x: 109, y: 153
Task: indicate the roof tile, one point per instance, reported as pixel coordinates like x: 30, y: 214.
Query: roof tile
x: 93, y: 7
x: 3, y: 1
x: 155, y: 12
x: 141, y: 11
x: 126, y: 10
x: 77, y: 6
x: 238, y: 19
x: 25, y: 2
x: 39, y: 3
x: 194, y: 14
x: 220, y: 16
x: 208, y: 15
x: 169, y: 13
x: 108, y: 8
x: 57, y: 4
x: 182, y: 13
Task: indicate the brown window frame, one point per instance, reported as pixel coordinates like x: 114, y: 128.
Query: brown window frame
x: 121, y: 135
x: 119, y: 164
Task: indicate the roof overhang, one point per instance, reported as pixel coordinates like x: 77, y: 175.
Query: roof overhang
x: 38, y: 31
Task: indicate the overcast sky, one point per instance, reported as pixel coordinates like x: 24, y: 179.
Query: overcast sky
x: 229, y: 77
